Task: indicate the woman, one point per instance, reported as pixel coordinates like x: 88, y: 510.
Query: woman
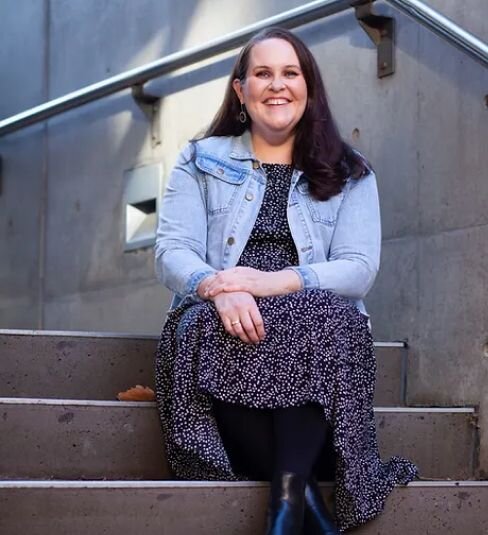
x: 269, y: 236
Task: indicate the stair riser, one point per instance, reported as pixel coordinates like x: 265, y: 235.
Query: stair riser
x: 226, y: 510
x: 64, y: 442
x: 73, y: 367
x: 443, y: 445
x: 99, y: 368
x: 119, y: 442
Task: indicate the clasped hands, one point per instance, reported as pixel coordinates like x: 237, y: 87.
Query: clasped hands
x: 233, y: 293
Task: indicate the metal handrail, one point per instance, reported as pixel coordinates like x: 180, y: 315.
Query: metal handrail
x: 138, y: 76
x: 444, y: 27
x: 288, y: 19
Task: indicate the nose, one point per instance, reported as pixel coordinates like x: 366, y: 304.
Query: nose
x: 277, y: 83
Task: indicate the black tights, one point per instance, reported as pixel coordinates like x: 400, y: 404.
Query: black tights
x: 261, y: 442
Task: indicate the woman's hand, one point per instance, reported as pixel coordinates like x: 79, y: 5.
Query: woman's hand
x: 258, y: 283
x: 240, y: 316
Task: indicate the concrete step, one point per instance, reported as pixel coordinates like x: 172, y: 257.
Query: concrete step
x: 73, y: 439
x: 59, y: 364
x: 71, y: 365
x: 203, y: 508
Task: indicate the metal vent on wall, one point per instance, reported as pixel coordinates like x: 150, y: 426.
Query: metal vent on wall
x: 142, y: 190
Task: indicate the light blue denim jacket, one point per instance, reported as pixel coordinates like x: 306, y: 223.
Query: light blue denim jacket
x: 210, y: 206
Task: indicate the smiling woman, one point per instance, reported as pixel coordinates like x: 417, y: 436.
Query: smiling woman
x: 269, y: 236
x: 274, y: 93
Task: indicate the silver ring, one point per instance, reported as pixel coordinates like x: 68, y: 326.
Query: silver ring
x: 235, y: 322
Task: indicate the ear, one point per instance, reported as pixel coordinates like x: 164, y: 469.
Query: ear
x: 236, y: 84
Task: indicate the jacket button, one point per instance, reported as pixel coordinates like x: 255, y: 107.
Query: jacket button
x: 231, y: 240
x: 220, y: 171
x: 249, y: 196
x: 255, y: 165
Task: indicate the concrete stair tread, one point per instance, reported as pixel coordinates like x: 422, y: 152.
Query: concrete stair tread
x: 95, y: 439
x: 99, y: 365
x: 237, y: 508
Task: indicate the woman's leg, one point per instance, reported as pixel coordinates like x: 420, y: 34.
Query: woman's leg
x: 299, y: 435
x: 296, y: 503
x: 281, y: 446
x: 247, y: 435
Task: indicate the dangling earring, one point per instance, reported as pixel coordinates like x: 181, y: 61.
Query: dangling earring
x: 243, y: 114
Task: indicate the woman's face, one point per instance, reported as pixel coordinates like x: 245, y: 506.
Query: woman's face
x: 274, y: 91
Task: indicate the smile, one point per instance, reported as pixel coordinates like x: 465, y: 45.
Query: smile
x: 276, y: 101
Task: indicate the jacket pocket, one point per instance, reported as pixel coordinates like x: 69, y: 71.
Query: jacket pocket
x: 222, y: 183
x: 324, y: 212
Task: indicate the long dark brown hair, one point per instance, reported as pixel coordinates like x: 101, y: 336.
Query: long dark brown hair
x: 319, y: 151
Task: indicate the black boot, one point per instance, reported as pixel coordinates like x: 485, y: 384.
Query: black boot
x: 317, y: 519
x: 286, y: 504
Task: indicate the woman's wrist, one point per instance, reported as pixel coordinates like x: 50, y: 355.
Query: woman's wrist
x: 291, y: 280
x: 202, y: 287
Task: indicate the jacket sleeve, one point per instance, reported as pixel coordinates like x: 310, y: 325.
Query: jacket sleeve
x: 354, y: 255
x: 181, y: 239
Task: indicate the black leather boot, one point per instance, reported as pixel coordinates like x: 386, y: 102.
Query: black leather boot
x: 286, y: 504
x: 317, y: 519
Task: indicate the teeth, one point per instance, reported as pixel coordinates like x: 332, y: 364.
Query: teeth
x: 276, y: 101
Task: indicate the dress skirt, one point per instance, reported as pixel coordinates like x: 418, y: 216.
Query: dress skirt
x: 318, y: 348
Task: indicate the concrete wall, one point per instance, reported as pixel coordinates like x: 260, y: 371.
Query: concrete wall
x: 61, y: 220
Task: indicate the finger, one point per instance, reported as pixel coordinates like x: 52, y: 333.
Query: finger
x: 227, y: 287
x: 236, y: 288
x: 234, y: 329
x: 227, y: 323
x: 214, y: 289
x: 258, y: 322
x: 241, y: 333
x: 248, y: 326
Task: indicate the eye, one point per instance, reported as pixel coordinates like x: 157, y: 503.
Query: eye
x: 291, y: 74
x: 262, y: 74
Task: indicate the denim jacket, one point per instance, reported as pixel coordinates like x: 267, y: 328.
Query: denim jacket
x: 211, y: 204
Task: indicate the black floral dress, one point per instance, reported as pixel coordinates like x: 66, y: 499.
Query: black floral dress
x: 318, y: 348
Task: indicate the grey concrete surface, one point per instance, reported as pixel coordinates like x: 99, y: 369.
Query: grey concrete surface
x: 25, y: 85
x: 444, y: 445
x: 115, y: 441
x: 453, y: 290
x: 21, y: 222
x: 74, y: 367
x: 483, y: 423
x: 423, y: 129
x: 71, y: 367
x: 112, y: 308
x: 229, y: 509
x: 82, y: 442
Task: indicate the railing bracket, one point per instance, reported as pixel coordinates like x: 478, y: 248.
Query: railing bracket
x: 149, y: 104
x: 381, y: 30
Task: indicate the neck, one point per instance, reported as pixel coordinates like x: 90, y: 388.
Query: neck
x: 273, y: 149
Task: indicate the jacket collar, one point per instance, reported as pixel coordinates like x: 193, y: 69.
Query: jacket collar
x: 242, y: 147
x: 242, y: 150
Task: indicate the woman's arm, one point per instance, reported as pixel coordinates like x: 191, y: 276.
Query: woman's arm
x: 258, y: 283
x: 181, y: 239
x: 353, y: 259
x: 354, y: 254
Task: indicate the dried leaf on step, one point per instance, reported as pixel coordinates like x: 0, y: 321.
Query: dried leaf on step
x: 137, y: 393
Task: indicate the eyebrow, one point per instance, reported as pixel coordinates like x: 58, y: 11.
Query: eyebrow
x: 285, y: 67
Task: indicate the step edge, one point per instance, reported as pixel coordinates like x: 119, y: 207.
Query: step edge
x: 147, y: 404
x: 203, y: 484
x: 130, y: 336
x: 76, y: 402
x: 78, y: 334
